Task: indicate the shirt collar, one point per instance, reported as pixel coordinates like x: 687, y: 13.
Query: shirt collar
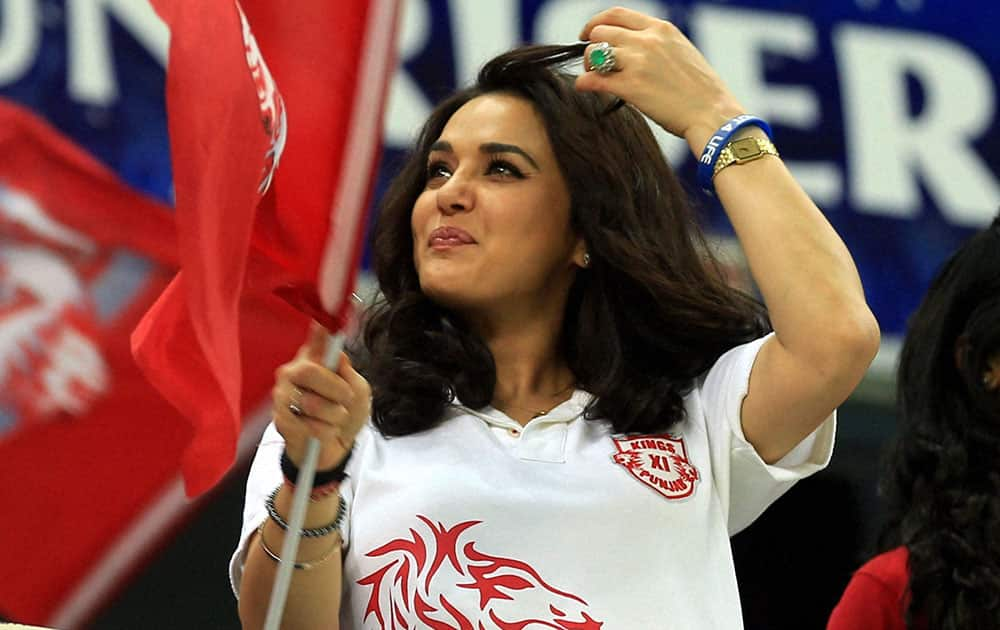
x: 567, y: 411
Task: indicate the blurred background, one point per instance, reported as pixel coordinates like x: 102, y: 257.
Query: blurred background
x: 886, y: 111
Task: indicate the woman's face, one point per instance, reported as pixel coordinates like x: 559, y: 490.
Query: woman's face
x: 492, y: 226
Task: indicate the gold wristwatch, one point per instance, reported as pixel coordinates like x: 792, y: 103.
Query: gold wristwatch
x: 742, y: 151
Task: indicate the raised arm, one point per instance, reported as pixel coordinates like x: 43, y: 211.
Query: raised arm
x: 825, y: 334
x: 331, y: 406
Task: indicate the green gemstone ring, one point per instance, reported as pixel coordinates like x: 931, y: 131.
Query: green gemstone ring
x: 602, y: 58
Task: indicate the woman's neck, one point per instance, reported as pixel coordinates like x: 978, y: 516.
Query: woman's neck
x: 532, y: 376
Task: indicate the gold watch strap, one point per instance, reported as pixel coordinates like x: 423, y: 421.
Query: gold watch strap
x: 742, y: 151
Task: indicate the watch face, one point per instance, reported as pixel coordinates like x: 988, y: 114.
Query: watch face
x: 746, y: 148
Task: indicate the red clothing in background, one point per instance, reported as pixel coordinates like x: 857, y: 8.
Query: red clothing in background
x: 875, y: 597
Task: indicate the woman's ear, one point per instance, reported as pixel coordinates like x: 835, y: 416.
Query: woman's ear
x: 581, y: 257
x: 961, y: 350
x: 991, y: 377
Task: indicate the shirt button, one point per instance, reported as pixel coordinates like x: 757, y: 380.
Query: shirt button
x: 515, y: 432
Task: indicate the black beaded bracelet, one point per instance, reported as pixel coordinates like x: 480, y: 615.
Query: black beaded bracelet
x: 322, y: 477
x: 315, y: 532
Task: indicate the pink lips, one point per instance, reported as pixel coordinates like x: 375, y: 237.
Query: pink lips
x: 447, y: 236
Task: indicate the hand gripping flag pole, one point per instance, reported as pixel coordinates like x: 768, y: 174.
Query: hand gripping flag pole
x: 300, y: 501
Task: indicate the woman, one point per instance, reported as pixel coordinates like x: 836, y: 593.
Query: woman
x: 565, y: 427
x: 940, y: 561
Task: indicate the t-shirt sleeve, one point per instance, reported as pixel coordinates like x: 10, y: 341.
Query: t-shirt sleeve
x: 745, y: 483
x: 265, y: 475
x: 867, y: 604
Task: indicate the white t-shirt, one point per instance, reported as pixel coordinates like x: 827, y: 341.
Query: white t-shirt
x: 481, y: 523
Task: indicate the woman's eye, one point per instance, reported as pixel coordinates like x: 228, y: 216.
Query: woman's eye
x: 504, y: 168
x: 437, y: 170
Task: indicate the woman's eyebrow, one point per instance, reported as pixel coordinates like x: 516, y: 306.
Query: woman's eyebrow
x: 499, y: 147
x: 488, y: 148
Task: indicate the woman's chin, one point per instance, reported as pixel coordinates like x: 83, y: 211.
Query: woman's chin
x: 449, y: 293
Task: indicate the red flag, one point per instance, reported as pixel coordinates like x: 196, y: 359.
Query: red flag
x: 68, y: 182
x: 298, y: 230
x: 81, y: 256
x: 89, y: 452
x: 54, y: 244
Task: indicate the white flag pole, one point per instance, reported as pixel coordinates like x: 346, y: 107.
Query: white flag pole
x: 300, y: 501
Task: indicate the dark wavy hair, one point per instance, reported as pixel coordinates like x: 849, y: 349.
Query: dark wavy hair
x: 943, y: 466
x: 650, y: 313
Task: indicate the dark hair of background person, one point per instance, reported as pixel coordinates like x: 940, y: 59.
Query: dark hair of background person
x: 650, y: 313
x: 943, y: 466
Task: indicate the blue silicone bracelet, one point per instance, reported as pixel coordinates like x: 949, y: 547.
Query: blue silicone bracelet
x: 719, y: 139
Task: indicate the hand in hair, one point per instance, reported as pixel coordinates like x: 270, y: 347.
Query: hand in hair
x: 825, y: 334
x: 662, y: 74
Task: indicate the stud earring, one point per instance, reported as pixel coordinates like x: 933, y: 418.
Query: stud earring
x: 586, y: 259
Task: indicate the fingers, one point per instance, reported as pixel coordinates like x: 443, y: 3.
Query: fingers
x: 311, y: 400
x: 360, y: 407
x: 359, y: 386
x: 295, y: 430
x: 308, y: 375
x: 617, y: 16
x: 627, y: 50
x: 316, y: 340
x: 593, y: 81
x: 299, y: 413
x: 614, y: 35
x: 299, y: 402
x: 658, y: 71
x: 617, y: 51
x: 317, y: 407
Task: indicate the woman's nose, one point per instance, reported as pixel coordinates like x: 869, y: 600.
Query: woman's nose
x: 456, y: 195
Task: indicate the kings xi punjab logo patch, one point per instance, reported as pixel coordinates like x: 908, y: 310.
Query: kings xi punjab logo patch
x: 660, y: 462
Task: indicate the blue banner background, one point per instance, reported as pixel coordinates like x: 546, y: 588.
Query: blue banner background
x: 819, y: 57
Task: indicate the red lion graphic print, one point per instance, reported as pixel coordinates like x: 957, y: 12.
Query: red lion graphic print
x: 438, y: 581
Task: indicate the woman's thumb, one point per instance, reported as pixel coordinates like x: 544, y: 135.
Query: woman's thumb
x: 316, y: 341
